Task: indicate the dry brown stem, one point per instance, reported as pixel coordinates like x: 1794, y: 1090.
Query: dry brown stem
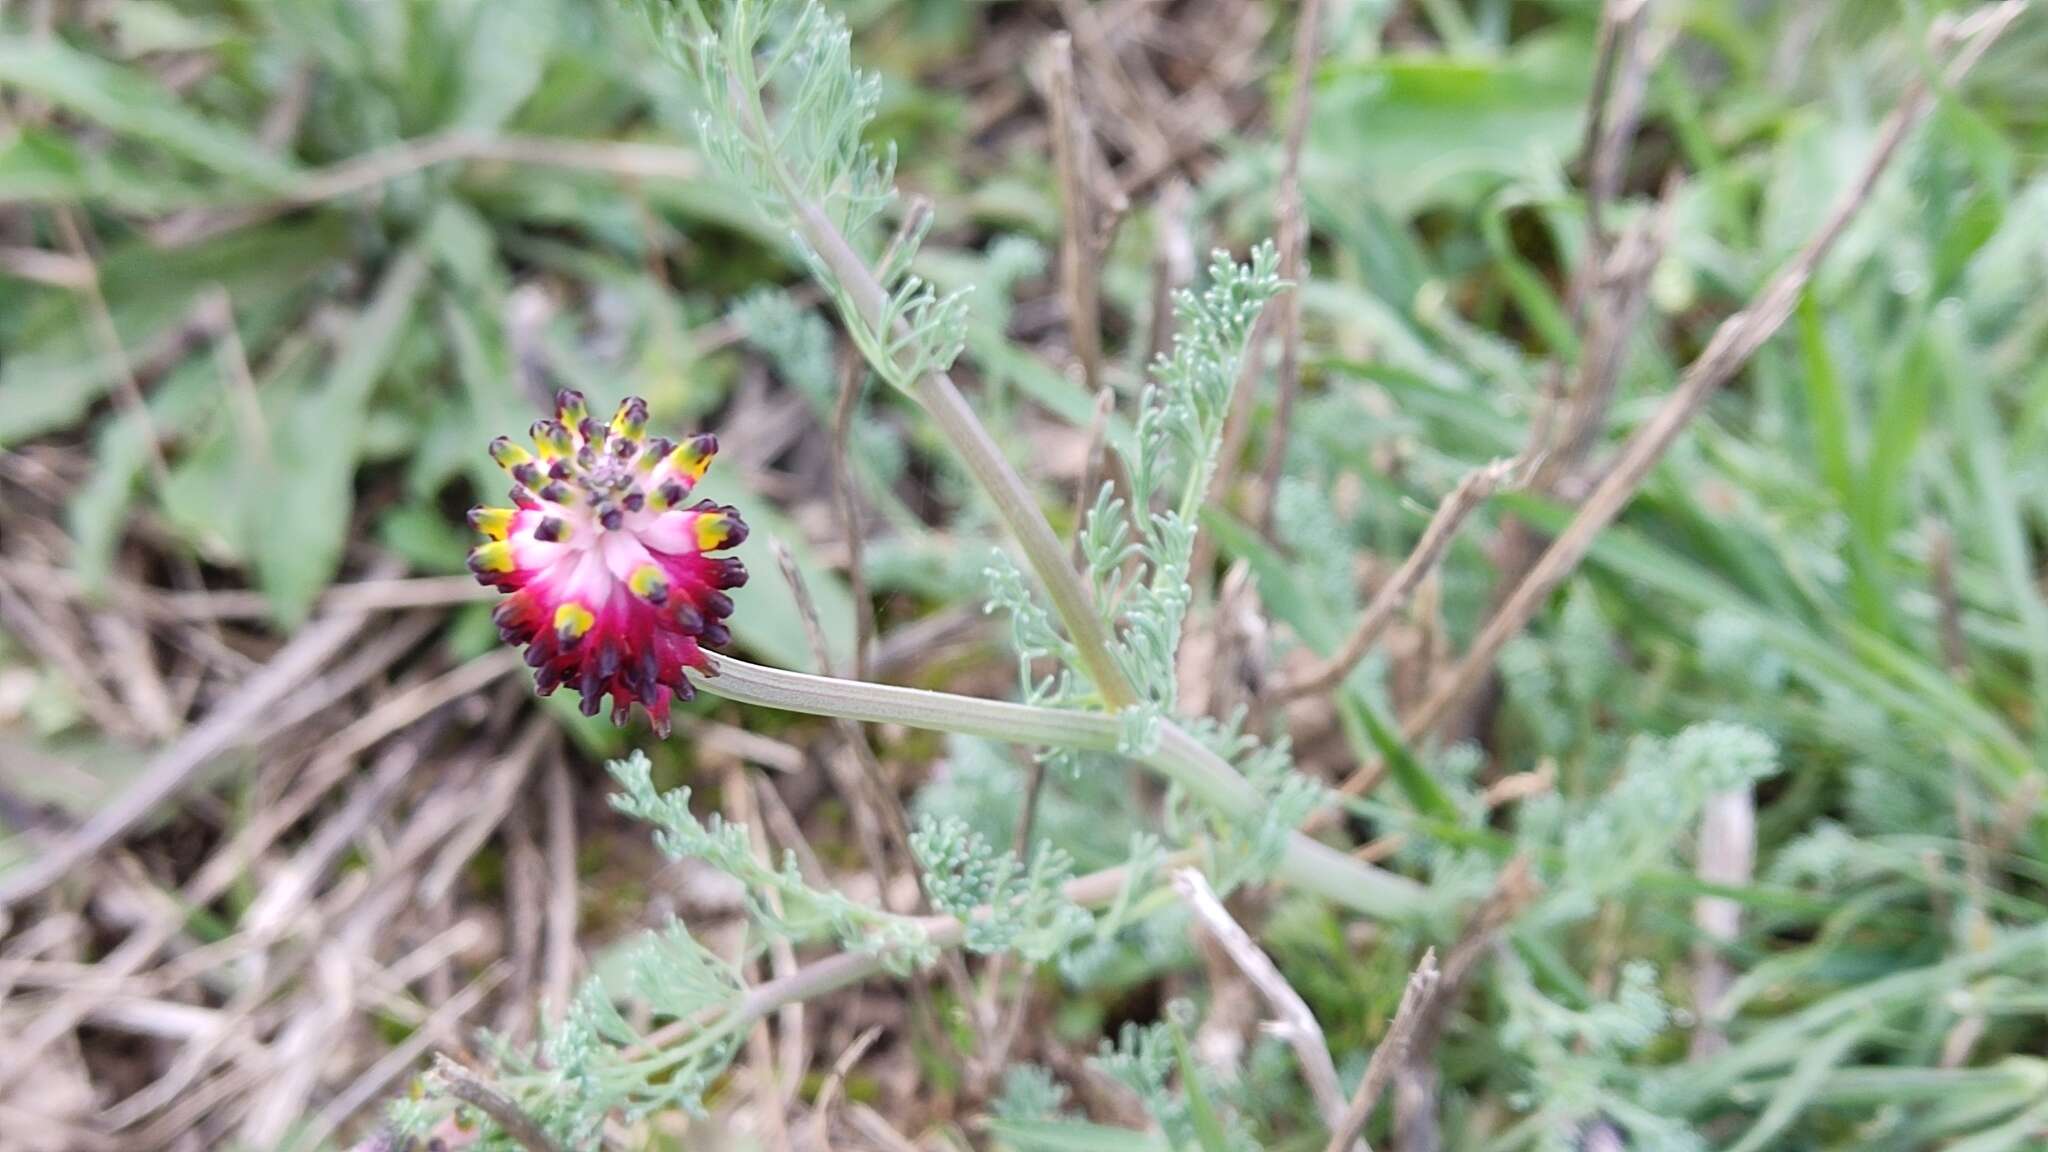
x: 1291, y: 214
x: 1296, y: 1024
x: 1416, y: 1098
x: 462, y: 1084
x: 1089, y: 206
x: 1471, y: 492
x: 1388, y: 1058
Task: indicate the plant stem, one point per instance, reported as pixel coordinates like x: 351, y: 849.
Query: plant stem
x: 520, y: 1128
x: 1305, y: 864
x: 941, y: 399
x: 747, y: 683
x: 843, y: 969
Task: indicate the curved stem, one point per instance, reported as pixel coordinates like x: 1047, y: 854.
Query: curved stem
x: 1306, y: 864
x: 746, y: 683
x: 941, y: 399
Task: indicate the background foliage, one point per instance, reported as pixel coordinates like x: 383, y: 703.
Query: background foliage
x: 275, y: 271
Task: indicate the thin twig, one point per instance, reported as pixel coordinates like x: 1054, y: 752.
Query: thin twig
x: 861, y: 789
x: 878, y: 1131
x: 1616, y: 292
x: 1297, y: 1025
x: 746, y: 800
x: 392, y: 1064
x: 1610, y: 116
x: 1098, y: 464
x: 229, y: 864
x: 1475, y: 489
x: 128, y: 386
x: 1733, y: 343
x: 1145, y: 133
x: 524, y: 880
x: 232, y: 357
x: 1415, y: 1103
x: 462, y: 1084
x: 2014, y: 817
x: 1086, y: 219
x: 61, y: 653
x: 1003, y: 1023
x: 769, y: 1108
x: 773, y: 1087
x: 1392, y: 1053
x: 285, y: 891
x: 1608, y: 300
x: 1283, y: 311
x: 41, y: 266
x: 847, y: 501
x: 1292, y: 216
x: 1606, y: 296
x: 128, y: 381
x: 828, y: 1092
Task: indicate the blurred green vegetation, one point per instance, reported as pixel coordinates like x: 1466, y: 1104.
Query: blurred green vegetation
x: 423, y: 214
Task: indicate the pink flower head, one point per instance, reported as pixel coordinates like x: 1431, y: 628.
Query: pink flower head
x: 611, y: 588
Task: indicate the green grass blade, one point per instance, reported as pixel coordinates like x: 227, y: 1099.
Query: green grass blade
x: 133, y: 104
x: 1798, y: 1090
x: 1202, y: 1114
x: 1999, y: 519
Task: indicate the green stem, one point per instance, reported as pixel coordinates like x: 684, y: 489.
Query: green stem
x: 842, y: 969
x: 746, y: 683
x: 941, y: 399
x: 1306, y: 864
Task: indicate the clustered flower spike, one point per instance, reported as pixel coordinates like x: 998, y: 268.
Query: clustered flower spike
x: 611, y: 588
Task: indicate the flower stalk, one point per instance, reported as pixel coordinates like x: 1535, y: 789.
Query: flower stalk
x: 936, y: 393
x: 1306, y: 864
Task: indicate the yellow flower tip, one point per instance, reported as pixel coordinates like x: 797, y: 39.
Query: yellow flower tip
x: 720, y: 529
x: 649, y: 583
x: 630, y: 422
x: 508, y: 455
x: 493, y: 523
x: 570, y: 411
x: 694, y: 455
x: 494, y: 558
x: 553, y: 440
x: 572, y: 622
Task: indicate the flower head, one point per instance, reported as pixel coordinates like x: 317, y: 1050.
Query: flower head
x: 611, y: 586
